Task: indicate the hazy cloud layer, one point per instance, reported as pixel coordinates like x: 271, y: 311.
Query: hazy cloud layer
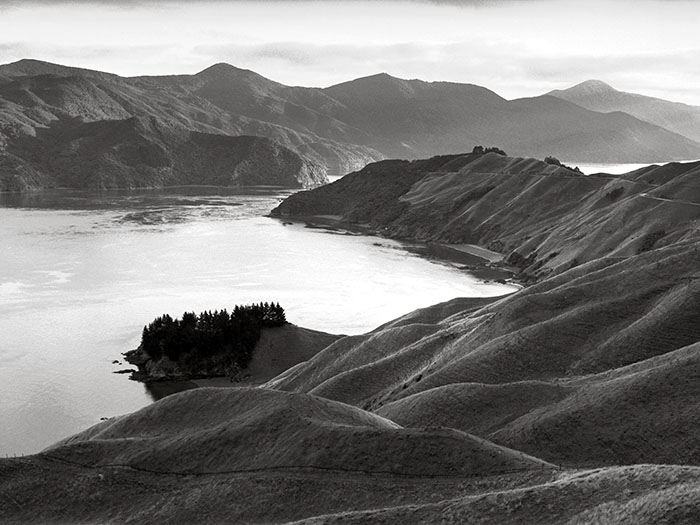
x: 516, y: 48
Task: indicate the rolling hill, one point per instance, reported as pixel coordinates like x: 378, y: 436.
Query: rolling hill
x: 545, y: 218
x: 263, y: 456
x: 596, y: 366
x: 231, y: 451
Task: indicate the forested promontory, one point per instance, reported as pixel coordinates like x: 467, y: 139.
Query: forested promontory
x: 208, y: 344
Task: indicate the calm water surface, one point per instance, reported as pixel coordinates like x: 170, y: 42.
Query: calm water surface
x: 614, y: 169
x: 81, y: 273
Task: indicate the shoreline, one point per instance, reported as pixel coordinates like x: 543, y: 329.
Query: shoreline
x: 480, y: 262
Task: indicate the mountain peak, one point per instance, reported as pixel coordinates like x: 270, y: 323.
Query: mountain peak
x: 226, y: 73
x: 590, y: 87
x: 380, y: 85
x: 222, y: 68
x: 29, y: 67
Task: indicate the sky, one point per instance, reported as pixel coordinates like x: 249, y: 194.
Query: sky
x: 516, y: 48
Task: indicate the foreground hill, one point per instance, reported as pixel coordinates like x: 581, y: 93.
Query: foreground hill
x: 337, y: 129
x: 258, y: 456
x: 599, y: 96
x: 544, y: 218
x: 245, y: 444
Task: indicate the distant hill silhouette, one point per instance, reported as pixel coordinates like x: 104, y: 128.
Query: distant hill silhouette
x: 599, y: 96
x: 413, y: 119
x: 338, y: 129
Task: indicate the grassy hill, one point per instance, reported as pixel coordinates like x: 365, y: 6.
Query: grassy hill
x: 545, y: 218
x: 594, y: 366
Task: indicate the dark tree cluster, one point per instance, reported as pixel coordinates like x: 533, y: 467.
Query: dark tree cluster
x: 480, y: 150
x: 556, y: 162
x: 208, y: 334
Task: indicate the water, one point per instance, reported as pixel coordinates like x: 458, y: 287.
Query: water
x: 614, y: 169
x: 81, y: 273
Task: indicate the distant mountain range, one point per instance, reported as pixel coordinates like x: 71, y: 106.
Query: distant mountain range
x: 48, y: 114
x: 599, y: 96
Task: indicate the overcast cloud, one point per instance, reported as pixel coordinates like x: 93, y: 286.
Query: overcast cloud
x: 516, y: 48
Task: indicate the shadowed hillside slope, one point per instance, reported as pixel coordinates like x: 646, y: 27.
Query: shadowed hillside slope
x: 599, y: 96
x: 138, y: 153
x: 223, y: 430
x: 633, y: 495
x: 544, y: 218
x: 261, y: 456
x: 41, y: 488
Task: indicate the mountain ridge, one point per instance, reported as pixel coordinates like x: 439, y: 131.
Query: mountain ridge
x: 339, y: 128
x: 598, y: 96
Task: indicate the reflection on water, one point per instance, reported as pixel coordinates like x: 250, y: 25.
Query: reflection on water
x: 162, y: 389
x: 615, y: 169
x: 82, y: 272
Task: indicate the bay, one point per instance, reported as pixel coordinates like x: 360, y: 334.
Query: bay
x: 81, y: 273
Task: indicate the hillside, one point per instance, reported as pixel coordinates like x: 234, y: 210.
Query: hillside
x: 36, y: 96
x: 544, y: 218
x: 595, y: 364
x: 599, y: 96
x: 258, y: 456
x: 414, y: 119
x: 235, y: 448
x: 338, y: 129
x: 598, y: 365
x: 140, y: 152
